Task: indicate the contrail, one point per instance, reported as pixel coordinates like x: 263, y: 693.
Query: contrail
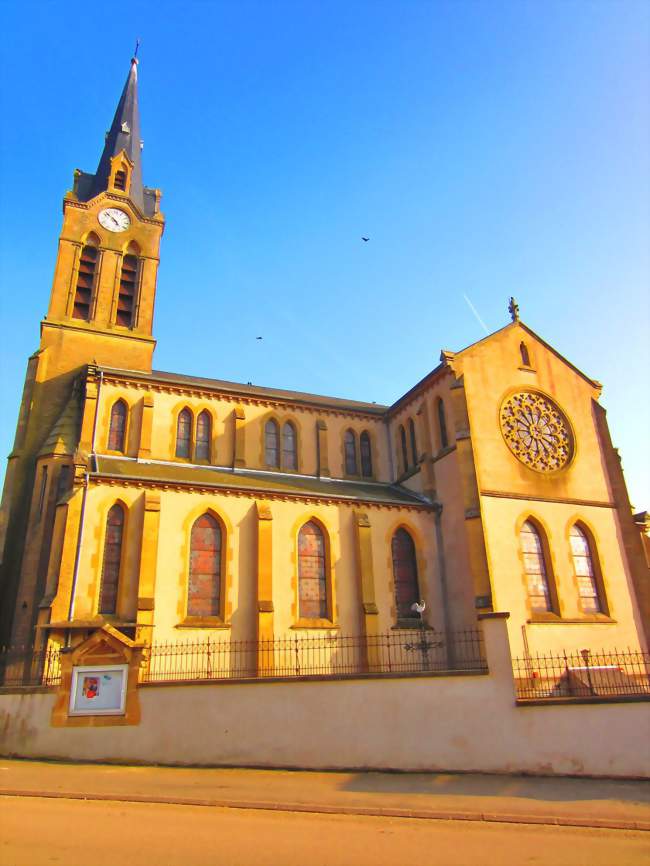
x: 478, y: 318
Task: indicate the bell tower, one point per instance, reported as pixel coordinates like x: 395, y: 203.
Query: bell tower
x: 102, y: 300
x: 100, y: 313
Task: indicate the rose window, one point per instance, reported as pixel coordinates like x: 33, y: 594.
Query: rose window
x: 536, y: 431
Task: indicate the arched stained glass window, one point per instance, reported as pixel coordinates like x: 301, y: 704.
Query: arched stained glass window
x: 584, y: 569
x: 117, y: 427
x: 405, y: 453
x: 184, y: 434
x: 312, y: 581
x: 350, y: 447
x: 405, y: 574
x: 111, y: 562
x: 442, y: 424
x: 203, y: 435
x: 204, y: 590
x: 289, y: 455
x: 272, y: 444
x: 535, y: 568
x: 414, y: 444
x: 366, y: 455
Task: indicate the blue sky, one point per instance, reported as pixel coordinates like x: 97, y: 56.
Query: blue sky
x: 486, y: 148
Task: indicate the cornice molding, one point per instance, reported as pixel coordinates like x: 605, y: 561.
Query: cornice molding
x: 559, y: 500
x: 105, y: 195
x: 75, y: 242
x: 122, y: 333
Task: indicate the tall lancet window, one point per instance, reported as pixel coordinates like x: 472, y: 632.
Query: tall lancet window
x: 117, y: 427
x: 583, y: 563
x: 271, y: 444
x: 405, y: 574
x: 350, y: 447
x: 366, y: 455
x: 312, y: 577
x: 405, y: 453
x: 184, y: 434
x: 203, y: 435
x: 414, y: 444
x: 204, y: 592
x: 442, y: 423
x: 535, y: 567
x: 289, y: 456
x: 112, y: 558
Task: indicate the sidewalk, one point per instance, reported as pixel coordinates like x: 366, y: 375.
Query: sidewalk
x: 570, y: 802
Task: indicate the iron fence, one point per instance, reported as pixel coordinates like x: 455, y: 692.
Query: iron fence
x: 400, y: 651
x: 327, y: 654
x: 583, y: 674
x: 27, y: 666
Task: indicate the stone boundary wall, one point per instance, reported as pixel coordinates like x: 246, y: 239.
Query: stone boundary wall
x: 457, y: 723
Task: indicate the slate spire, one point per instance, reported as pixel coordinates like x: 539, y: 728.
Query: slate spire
x: 124, y: 134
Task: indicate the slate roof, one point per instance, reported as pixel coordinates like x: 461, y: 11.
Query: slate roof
x: 124, y: 134
x: 64, y: 435
x: 263, y: 393
x: 255, y: 483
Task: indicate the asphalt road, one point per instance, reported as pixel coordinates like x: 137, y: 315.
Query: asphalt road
x: 41, y: 832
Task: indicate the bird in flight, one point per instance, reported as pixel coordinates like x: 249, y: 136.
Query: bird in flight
x: 365, y: 239
x: 259, y: 338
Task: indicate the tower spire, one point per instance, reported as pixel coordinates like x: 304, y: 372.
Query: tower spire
x: 124, y: 135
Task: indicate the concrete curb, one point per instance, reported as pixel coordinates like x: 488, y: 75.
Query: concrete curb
x: 368, y: 811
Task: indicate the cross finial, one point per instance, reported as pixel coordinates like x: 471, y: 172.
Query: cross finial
x: 513, y: 309
x: 135, y: 53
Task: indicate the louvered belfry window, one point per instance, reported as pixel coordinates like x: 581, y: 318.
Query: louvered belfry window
x: 85, y: 283
x: 350, y: 445
x: 184, y: 433
x: 289, y: 457
x: 117, y: 427
x: 120, y: 180
x: 112, y: 558
x: 312, y: 582
x: 366, y: 455
x: 128, y: 289
x: 405, y: 574
x: 203, y: 435
x: 271, y: 444
x: 204, y: 591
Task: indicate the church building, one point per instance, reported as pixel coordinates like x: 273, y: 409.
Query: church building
x: 177, y: 507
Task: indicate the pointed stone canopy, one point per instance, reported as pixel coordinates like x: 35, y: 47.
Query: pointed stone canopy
x: 124, y: 135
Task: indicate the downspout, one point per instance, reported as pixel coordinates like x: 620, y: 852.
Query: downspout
x: 75, y: 573
x: 442, y: 570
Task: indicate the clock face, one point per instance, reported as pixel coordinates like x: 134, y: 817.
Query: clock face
x: 114, y: 219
